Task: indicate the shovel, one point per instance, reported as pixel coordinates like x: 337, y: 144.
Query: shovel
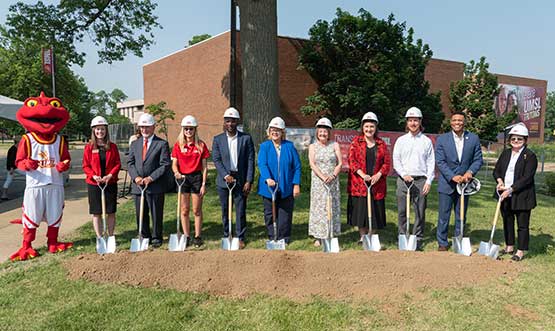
x: 178, y: 241
x: 230, y: 243
x: 489, y: 248
x: 370, y: 242
x: 140, y: 244
x: 331, y: 244
x: 461, y: 244
x: 407, y: 241
x: 105, y: 244
x: 274, y: 244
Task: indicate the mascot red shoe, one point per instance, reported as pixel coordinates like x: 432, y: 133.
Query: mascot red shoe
x: 44, y: 155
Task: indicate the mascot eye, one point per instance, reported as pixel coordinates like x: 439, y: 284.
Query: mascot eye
x: 55, y: 103
x: 32, y: 103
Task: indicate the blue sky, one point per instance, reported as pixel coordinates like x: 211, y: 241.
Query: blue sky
x: 515, y: 36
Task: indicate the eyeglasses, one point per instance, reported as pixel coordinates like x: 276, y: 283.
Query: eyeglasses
x: 517, y: 139
x: 188, y: 129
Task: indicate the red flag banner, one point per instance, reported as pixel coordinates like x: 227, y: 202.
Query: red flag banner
x: 47, y: 58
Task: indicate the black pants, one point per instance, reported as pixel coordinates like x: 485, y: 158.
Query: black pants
x: 284, y: 211
x: 154, y: 203
x: 418, y: 204
x: 240, y: 206
x: 523, y: 223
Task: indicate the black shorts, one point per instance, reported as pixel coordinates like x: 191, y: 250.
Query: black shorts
x: 193, y: 182
x: 95, y: 201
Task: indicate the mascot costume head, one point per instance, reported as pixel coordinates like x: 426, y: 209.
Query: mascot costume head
x: 44, y: 156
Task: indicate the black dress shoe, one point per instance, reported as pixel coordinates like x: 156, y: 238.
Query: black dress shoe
x: 156, y: 243
x: 517, y: 258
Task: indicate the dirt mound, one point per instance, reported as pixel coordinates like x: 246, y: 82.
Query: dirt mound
x: 296, y: 275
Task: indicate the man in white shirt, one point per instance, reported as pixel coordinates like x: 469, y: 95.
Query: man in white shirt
x: 414, y: 163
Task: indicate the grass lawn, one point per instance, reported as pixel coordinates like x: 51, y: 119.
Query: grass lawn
x: 35, y: 295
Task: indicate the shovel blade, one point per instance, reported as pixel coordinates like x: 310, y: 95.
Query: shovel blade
x: 273, y: 245
x: 331, y: 245
x: 494, y: 252
x: 101, y: 245
x: 135, y: 245
x: 484, y: 248
x: 230, y: 244
x: 403, y: 242
x: 488, y: 249
x: 138, y: 245
x: 177, y: 243
x: 462, y: 246
x: 111, y: 245
x: 411, y: 245
x: 371, y: 243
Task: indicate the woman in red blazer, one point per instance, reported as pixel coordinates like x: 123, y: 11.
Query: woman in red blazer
x: 370, y: 161
x: 101, y: 164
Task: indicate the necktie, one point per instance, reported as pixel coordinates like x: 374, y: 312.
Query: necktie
x: 145, y: 148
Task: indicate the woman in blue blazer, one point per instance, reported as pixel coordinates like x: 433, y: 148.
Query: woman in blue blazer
x: 279, y: 164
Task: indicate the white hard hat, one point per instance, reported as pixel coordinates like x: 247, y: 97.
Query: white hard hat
x: 189, y: 121
x: 231, y: 113
x: 146, y: 119
x: 470, y: 188
x: 370, y: 116
x: 277, y: 122
x: 519, y: 129
x: 98, y: 120
x: 413, y: 112
x: 324, y: 122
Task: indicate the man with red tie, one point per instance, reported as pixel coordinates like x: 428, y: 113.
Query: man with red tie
x: 148, y: 163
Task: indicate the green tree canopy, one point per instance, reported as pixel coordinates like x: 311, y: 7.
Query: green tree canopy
x: 161, y: 114
x: 362, y: 64
x: 21, y: 76
x: 198, y: 38
x: 115, y: 27
x: 106, y: 103
x: 550, y: 116
x: 474, y: 95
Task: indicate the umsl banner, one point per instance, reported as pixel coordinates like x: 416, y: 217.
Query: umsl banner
x: 345, y: 137
x: 47, y: 59
x: 529, y: 101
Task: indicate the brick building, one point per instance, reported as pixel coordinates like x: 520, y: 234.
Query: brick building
x: 195, y: 80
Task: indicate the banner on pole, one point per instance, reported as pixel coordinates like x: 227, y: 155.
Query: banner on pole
x: 47, y: 58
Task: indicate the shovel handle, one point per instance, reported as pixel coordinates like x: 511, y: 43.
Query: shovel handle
x: 103, y: 202
x: 461, y: 211
x: 329, y: 212
x: 178, y: 206
x: 230, y: 206
x: 141, y: 210
x: 369, y: 205
x: 497, y: 211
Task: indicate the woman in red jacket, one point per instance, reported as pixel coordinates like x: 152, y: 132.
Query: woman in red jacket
x: 370, y: 161
x: 101, y: 164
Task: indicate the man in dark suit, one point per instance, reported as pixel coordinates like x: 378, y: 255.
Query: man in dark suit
x: 147, y: 165
x: 458, y: 158
x: 233, y: 156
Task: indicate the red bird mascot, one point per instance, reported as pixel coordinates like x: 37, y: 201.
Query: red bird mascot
x: 44, y: 155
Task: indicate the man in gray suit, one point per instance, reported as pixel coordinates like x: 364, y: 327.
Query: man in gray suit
x: 233, y: 156
x: 148, y: 162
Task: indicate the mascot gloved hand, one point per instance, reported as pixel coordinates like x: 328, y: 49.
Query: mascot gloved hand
x: 43, y: 155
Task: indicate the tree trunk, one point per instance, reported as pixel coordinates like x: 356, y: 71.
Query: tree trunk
x: 259, y: 63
